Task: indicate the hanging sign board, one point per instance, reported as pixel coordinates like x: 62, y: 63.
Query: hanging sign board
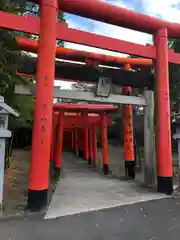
x: 103, y: 87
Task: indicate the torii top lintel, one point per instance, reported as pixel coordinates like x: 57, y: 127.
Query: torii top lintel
x: 92, y: 108
x: 81, y: 121
x: 72, y: 119
x: 31, y: 25
x: 30, y: 45
x: 105, y: 12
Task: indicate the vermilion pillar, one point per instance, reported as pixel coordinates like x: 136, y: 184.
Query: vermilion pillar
x: 80, y: 143
x: 94, y: 144
x: 90, y: 146
x: 58, y: 153
x: 86, y: 139
x: 76, y: 140
x: 86, y: 144
x: 41, y: 142
x: 104, y: 144
x: 128, y: 135
x: 72, y: 140
x: 163, y: 127
x: 53, y: 136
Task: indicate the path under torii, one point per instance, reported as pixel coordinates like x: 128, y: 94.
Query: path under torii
x: 50, y: 31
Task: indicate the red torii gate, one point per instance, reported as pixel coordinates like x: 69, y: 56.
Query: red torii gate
x: 62, y: 117
x: 49, y: 30
x: 99, y: 10
x: 95, y: 59
x: 30, y: 45
x: 31, y: 24
x: 79, y: 116
x: 83, y: 123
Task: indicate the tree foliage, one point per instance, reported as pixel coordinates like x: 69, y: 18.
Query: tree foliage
x: 8, y: 59
x: 174, y: 78
x: 174, y: 72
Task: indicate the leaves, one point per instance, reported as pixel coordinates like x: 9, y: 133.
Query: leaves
x: 174, y: 77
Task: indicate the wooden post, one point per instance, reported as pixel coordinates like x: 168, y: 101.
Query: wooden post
x: 41, y: 140
x: 163, y: 126
x: 95, y: 154
x: 128, y: 134
x: 149, y: 140
x: 104, y: 144
x: 58, y: 153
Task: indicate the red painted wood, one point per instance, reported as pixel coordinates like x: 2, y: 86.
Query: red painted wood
x: 116, y: 15
x: 30, y: 45
x: 31, y: 25
x: 104, y: 143
x: 128, y: 125
x: 84, y: 107
x: 95, y: 154
x: 41, y: 140
x: 59, y: 144
x: 163, y: 127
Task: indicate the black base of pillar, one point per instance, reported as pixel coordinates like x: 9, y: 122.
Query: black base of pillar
x: 130, y: 169
x: 57, y: 172
x: 81, y: 154
x: 165, y: 185
x: 105, y: 169
x: 37, y: 200
x: 94, y: 163
x: 89, y: 162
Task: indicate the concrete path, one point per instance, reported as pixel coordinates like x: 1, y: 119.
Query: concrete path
x: 82, y: 190
x: 152, y: 220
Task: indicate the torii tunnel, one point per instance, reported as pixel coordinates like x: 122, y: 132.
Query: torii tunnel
x: 70, y: 71
x: 92, y: 60
x: 49, y: 30
x: 74, y: 126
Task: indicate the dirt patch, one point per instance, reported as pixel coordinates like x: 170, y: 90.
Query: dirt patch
x: 16, y: 177
x: 16, y: 184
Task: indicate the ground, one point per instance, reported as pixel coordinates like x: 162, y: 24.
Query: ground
x: 152, y: 220
x: 16, y: 183
x: 106, y: 209
x: 16, y: 177
x: 82, y: 189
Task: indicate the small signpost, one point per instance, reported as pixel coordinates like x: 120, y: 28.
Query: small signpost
x: 103, y: 87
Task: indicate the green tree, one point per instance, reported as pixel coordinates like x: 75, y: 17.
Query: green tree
x: 174, y: 77
x: 25, y: 8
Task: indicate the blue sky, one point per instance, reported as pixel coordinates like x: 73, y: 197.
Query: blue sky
x: 165, y: 9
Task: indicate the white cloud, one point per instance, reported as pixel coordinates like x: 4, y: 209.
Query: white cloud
x: 122, y: 33
x: 95, y: 50
x: 109, y: 31
x: 63, y: 84
x: 165, y: 9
